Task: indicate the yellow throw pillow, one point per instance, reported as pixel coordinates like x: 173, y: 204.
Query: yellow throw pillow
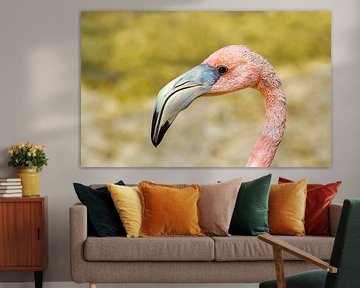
x: 169, y: 210
x: 287, y: 204
x: 127, y: 201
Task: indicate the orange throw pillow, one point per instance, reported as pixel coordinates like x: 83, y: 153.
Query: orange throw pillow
x: 169, y: 210
x: 287, y: 204
x: 318, y: 200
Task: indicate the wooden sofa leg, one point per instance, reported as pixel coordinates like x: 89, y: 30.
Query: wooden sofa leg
x: 92, y: 285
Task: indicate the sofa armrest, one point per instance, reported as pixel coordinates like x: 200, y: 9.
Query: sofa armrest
x: 334, y: 217
x: 78, y: 235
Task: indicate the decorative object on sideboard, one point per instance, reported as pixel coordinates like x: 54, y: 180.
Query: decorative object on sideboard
x: 10, y: 187
x: 30, y: 180
x: 30, y: 158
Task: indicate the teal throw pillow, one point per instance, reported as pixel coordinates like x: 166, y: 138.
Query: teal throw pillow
x: 250, y: 216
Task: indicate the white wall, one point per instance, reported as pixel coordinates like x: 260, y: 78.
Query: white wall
x: 40, y: 102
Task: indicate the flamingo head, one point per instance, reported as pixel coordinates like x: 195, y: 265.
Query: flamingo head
x: 228, y: 69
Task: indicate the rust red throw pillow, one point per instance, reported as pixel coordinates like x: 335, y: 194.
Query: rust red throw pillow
x: 319, y: 197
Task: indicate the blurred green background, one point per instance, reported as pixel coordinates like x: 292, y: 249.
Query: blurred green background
x: 127, y: 57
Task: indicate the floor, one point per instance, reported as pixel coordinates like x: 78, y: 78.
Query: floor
x: 74, y: 285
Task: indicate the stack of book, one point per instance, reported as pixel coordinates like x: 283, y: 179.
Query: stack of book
x: 10, y: 187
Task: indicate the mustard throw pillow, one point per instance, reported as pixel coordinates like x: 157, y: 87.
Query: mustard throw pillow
x: 287, y: 204
x: 169, y: 210
x: 127, y: 201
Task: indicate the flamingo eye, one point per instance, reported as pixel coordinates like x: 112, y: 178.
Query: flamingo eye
x: 222, y: 69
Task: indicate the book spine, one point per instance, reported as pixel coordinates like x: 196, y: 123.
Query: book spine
x: 10, y: 179
x: 10, y: 183
x: 10, y: 195
x: 10, y: 191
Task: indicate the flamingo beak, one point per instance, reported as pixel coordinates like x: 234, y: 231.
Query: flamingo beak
x: 178, y: 95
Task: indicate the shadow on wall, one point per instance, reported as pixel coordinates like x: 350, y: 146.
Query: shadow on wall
x: 4, y: 158
x: 42, y: 82
x: 40, y: 76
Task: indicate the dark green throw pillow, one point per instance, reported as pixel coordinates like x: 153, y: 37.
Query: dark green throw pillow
x: 103, y: 218
x: 250, y: 216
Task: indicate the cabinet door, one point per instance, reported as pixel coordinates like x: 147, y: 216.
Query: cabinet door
x: 21, y: 234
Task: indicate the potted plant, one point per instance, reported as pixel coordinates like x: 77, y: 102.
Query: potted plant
x: 30, y: 158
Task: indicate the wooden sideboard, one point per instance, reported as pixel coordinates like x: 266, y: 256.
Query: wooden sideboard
x: 23, y: 235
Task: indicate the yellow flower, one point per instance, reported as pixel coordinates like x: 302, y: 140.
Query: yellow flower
x: 11, y: 151
x: 41, y: 147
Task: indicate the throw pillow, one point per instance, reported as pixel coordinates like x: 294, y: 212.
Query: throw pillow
x: 102, y: 215
x: 169, y: 210
x: 250, y: 215
x: 319, y: 197
x: 216, y: 205
x: 127, y: 201
x: 287, y: 204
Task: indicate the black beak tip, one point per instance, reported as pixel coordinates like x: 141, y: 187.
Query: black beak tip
x: 157, y: 137
x: 154, y: 142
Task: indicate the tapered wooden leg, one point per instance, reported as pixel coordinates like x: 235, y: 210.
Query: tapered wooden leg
x: 38, y: 275
x: 92, y: 285
x: 279, y: 267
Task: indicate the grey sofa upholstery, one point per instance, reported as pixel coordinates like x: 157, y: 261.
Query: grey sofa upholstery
x: 234, y: 259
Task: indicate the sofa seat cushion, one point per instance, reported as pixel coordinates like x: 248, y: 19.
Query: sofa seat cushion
x: 244, y: 248
x: 149, y: 249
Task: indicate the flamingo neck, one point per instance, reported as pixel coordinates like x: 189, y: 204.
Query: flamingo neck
x: 264, y: 150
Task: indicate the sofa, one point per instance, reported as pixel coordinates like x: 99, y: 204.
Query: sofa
x: 233, y: 259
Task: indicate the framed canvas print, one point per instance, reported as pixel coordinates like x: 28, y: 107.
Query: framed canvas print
x: 206, y: 89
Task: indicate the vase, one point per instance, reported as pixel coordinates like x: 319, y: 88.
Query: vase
x: 30, y: 181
